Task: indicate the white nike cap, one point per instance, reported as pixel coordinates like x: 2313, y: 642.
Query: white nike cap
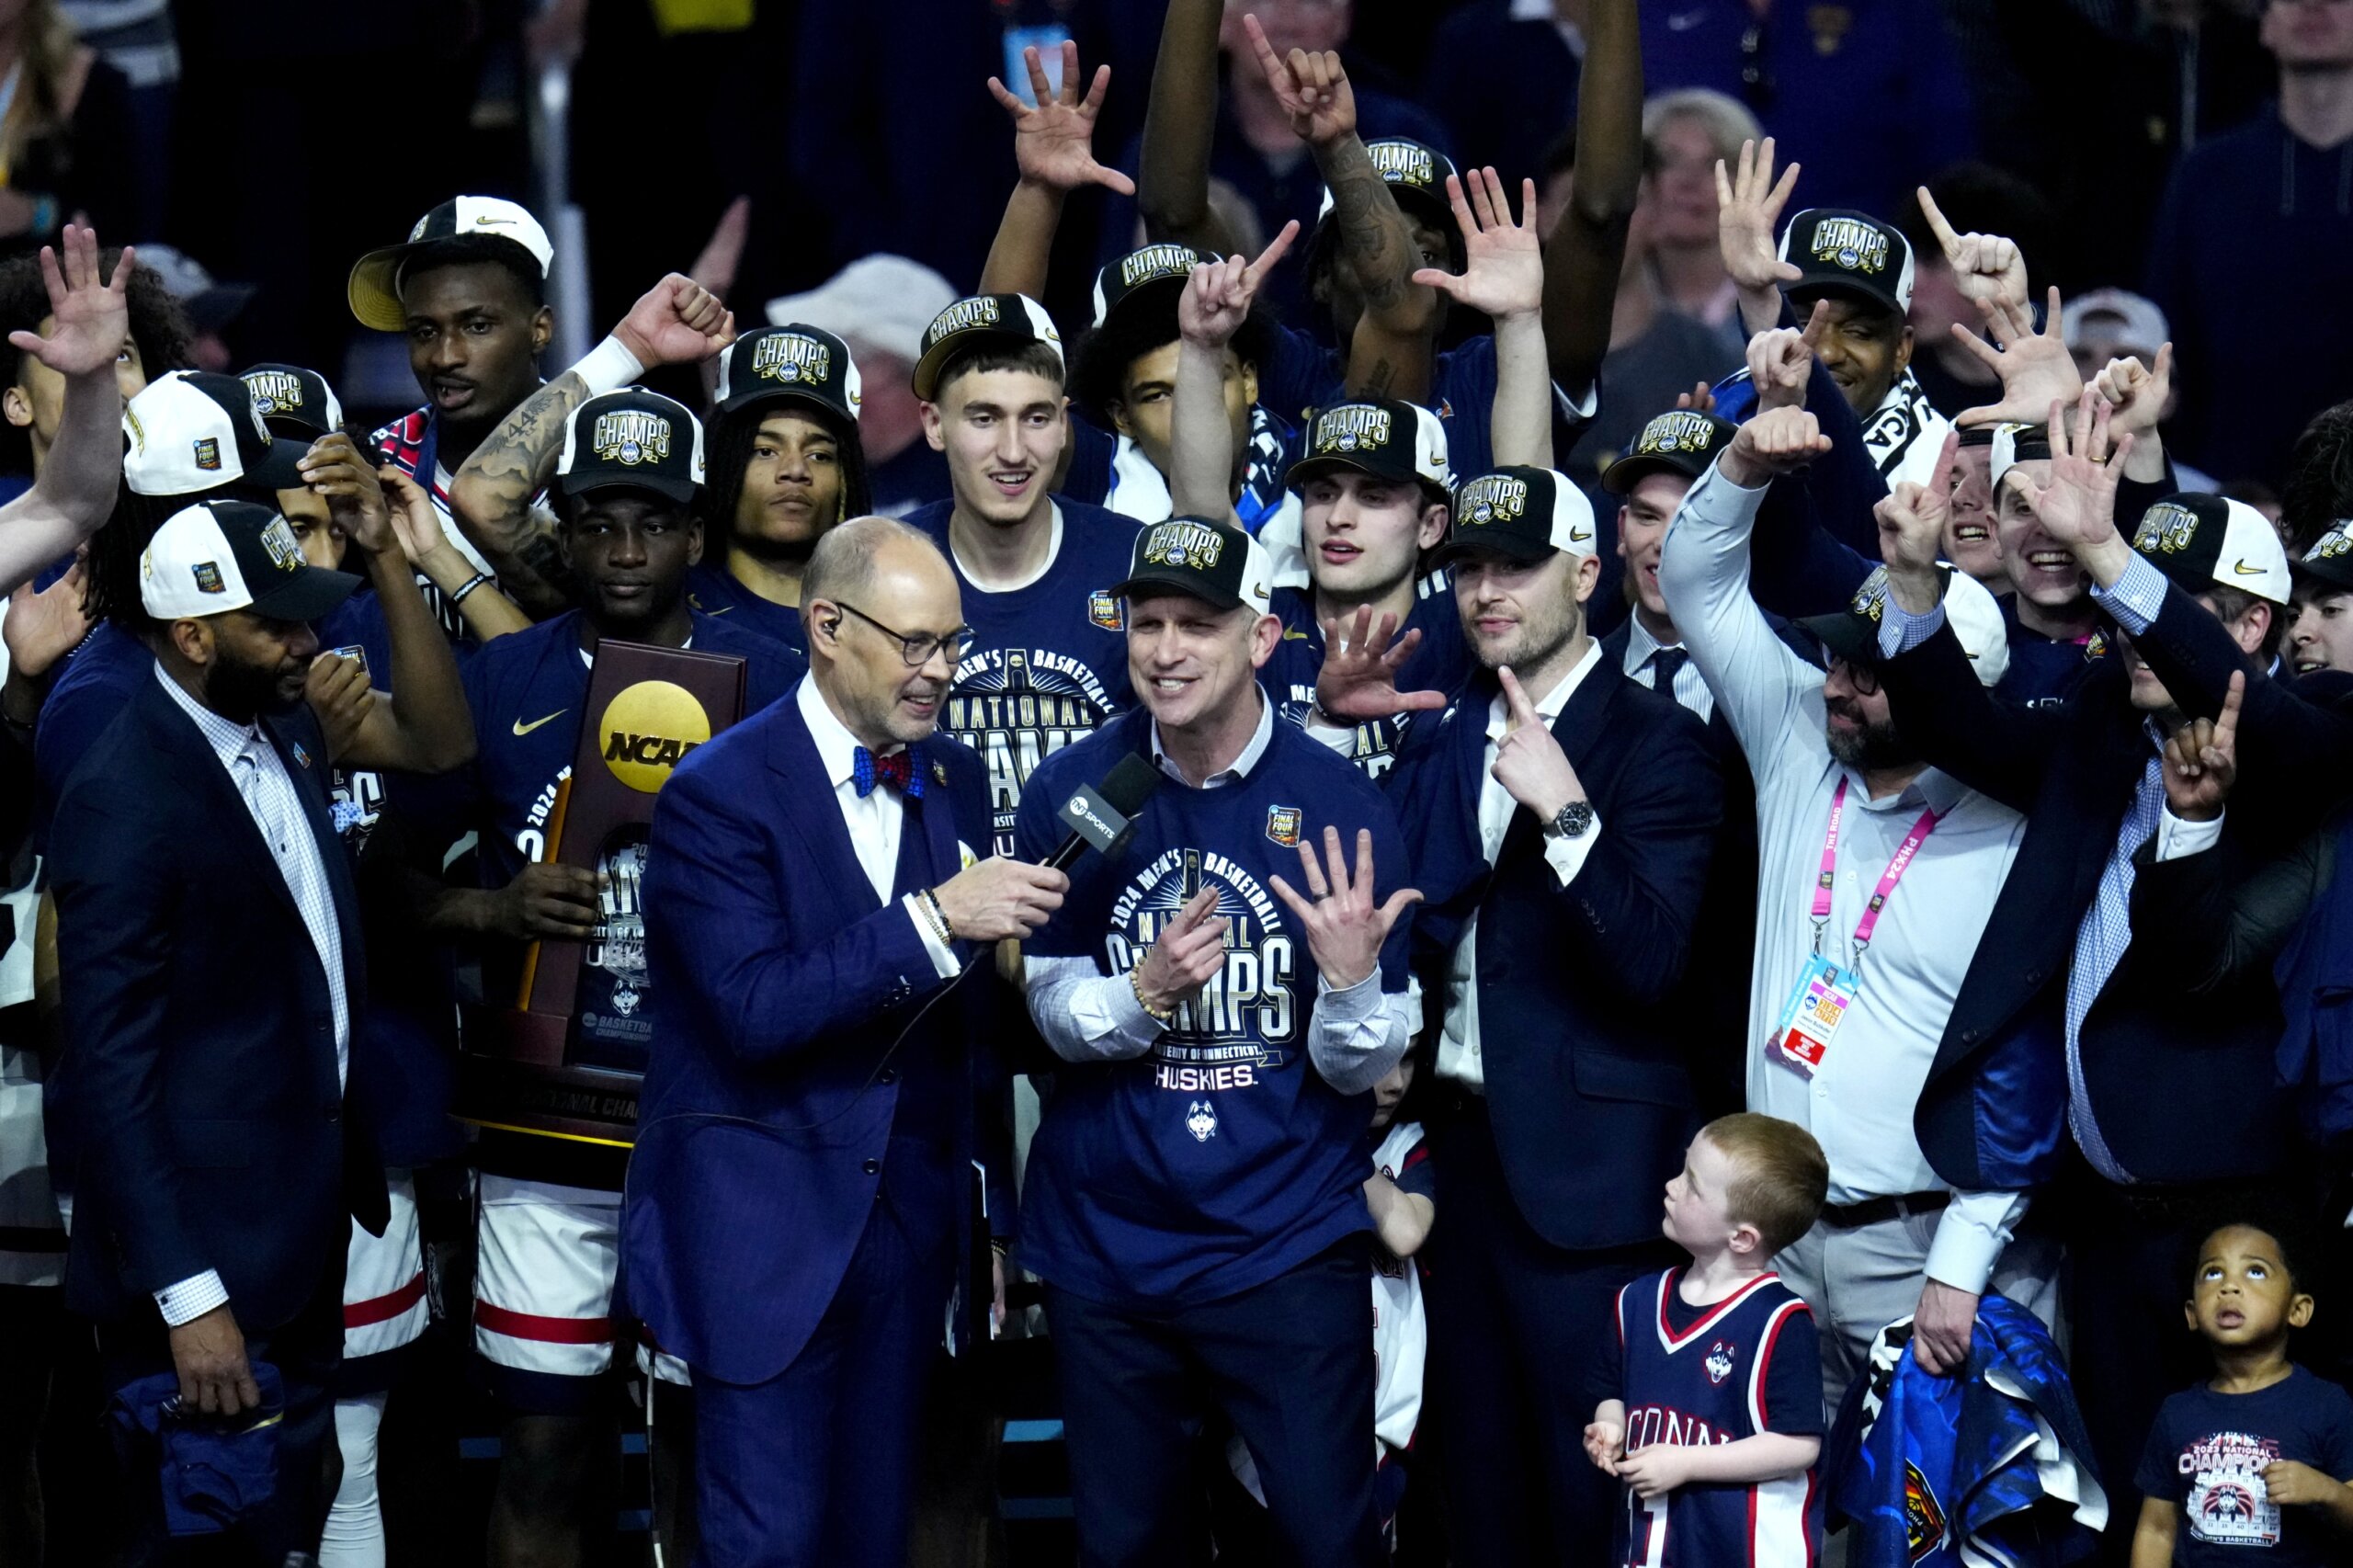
x: 374, y: 290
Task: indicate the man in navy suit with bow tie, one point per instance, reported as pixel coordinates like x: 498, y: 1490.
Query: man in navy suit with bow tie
x: 801, y: 1184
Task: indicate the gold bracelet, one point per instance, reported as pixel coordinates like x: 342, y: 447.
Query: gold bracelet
x: 1157, y: 1015
x: 937, y: 918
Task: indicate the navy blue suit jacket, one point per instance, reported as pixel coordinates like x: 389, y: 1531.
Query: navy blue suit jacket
x: 197, y: 1105
x: 1583, y: 1011
x: 778, y: 981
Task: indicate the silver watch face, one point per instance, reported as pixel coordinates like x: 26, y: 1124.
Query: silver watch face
x: 1574, y: 819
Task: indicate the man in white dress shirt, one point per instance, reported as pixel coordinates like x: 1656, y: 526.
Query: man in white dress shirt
x: 1928, y: 852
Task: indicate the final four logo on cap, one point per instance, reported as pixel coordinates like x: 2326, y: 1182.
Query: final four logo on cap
x: 218, y: 556
x: 192, y: 431
x: 796, y: 361
x: 631, y: 439
x: 374, y: 286
x: 293, y: 404
x: 982, y: 322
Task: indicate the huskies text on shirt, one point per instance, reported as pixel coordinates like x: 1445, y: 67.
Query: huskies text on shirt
x: 1050, y: 659
x: 1748, y: 1364
x: 1221, y: 1158
x: 1108, y: 469
x: 715, y: 591
x: 1440, y: 664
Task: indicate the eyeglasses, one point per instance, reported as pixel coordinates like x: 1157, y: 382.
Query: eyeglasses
x: 917, y: 649
x: 1860, y: 675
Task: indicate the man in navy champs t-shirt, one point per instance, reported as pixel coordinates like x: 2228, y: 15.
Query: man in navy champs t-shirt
x: 1195, y: 1195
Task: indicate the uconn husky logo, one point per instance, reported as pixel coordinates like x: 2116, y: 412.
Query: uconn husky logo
x: 1200, y: 1120
x: 1719, y: 1361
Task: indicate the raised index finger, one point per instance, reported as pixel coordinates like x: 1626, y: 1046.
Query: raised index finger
x: 1936, y: 224
x: 1268, y: 61
x: 1274, y: 253
x: 2226, y: 727
x: 1515, y: 701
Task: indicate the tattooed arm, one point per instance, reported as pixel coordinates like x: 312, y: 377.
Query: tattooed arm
x: 676, y: 323
x: 1374, y: 257
x: 1587, y: 249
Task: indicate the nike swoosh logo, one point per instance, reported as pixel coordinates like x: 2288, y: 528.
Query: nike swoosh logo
x: 726, y: 609
x: 2243, y: 570
x: 1579, y: 536
x: 1289, y: 636
x: 521, y: 729
x: 486, y: 222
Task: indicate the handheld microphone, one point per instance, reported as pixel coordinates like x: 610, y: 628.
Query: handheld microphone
x: 1102, y: 819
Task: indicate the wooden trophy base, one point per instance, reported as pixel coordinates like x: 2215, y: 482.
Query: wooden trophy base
x: 527, y: 1088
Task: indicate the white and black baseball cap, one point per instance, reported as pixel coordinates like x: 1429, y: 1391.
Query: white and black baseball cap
x: 192, y: 431
x: 1382, y: 437
x: 1520, y: 514
x: 2200, y: 540
x: 1974, y: 614
x: 2013, y: 445
x: 803, y: 363
x: 375, y: 286
x: 631, y: 439
x: 1214, y: 562
x: 983, y: 321
x: 294, y: 404
x: 1841, y: 251
x: 217, y: 556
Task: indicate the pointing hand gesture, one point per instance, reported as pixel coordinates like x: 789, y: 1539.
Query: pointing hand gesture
x: 2202, y: 759
x: 1053, y: 135
x: 1217, y: 297
x: 1190, y: 950
x: 1313, y: 89
x: 1912, y: 518
x: 1530, y: 762
x: 1345, y: 927
x: 1987, y: 268
x: 1780, y: 361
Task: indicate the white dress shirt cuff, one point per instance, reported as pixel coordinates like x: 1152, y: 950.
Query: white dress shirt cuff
x: 2137, y: 597
x: 191, y: 1299
x: 1088, y: 1016
x: 2177, y: 840
x: 1341, y: 738
x: 943, y: 957
x: 1566, y: 855
x: 1900, y: 630
x: 1971, y: 1235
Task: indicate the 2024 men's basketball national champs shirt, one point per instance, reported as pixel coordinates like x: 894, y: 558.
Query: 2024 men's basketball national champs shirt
x: 1221, y: 1158
x: 1442, y: 662
x: 1049, y: 661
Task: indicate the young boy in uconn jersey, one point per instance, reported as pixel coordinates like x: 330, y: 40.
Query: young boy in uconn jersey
x: 1719, y: 1419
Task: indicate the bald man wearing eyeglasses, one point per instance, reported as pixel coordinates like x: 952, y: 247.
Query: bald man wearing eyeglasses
x: 799, y: 1195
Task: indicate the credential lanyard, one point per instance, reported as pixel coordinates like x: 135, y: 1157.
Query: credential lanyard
x: 1887, y: 880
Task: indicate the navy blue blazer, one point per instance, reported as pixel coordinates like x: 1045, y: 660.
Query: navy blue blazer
x: 197, y: 1104
x: 1582, y: 1014
x: 1993, y: 1112
x: 778, y: 981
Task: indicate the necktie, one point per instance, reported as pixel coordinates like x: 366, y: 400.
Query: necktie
x: 897, y: 772
x: 1666, y: 665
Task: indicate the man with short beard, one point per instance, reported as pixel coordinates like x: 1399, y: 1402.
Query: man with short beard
x: 1830, y: 765
x: 1562, y: 818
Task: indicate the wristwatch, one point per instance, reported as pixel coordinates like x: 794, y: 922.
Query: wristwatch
x: 1572, y: 821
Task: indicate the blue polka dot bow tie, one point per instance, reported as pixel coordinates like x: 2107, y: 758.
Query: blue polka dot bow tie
x: 899, y: 772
